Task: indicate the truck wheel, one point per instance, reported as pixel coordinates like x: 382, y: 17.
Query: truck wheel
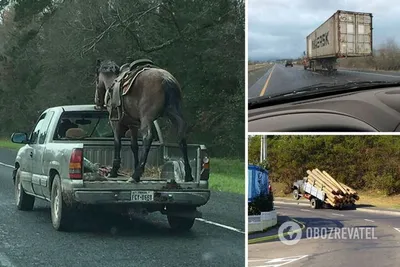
x: 22, y: 199
x: 60, y: 214
x: 181, y: 224
x: 296, y: 194
x: 314, y: 203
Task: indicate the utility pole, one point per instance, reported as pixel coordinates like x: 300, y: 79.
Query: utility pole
x: 263, y: 149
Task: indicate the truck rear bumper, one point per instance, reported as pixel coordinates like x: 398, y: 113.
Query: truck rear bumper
x: 195, y: 198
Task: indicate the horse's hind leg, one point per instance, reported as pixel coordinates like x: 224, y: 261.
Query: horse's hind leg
x: 175, y: 115
x: 134, y: 146
x: 117, y: 128
x: 148, y: 135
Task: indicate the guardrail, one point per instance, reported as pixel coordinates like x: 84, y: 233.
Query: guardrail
x: 261, y: 222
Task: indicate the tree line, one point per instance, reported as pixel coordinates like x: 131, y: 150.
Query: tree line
x: 363, y: 162
x: 49, y: 48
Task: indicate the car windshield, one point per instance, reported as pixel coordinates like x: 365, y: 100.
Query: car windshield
x: 301, y: 44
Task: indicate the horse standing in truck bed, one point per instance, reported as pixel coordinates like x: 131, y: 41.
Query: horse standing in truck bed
x: 135, y: 96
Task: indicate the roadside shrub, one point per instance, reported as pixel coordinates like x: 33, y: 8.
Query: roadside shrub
x: 261, y: 204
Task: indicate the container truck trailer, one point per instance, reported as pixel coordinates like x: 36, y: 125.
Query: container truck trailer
x: 344, y: 34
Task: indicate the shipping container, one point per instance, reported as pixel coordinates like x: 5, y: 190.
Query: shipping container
x: 257, y: 182
x: 344, y: 34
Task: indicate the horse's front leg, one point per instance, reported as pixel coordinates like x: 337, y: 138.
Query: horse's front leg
x: 147, y: 141
x: 117, y: 151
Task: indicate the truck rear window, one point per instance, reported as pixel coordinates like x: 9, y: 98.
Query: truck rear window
x: 85, y: 125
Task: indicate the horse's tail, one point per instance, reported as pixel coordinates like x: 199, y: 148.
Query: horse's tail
x: 173, y: 93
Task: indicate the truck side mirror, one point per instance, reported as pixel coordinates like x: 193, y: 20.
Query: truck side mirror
x: 19, y: 138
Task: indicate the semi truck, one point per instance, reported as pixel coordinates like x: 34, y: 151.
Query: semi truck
x: 344, y: 34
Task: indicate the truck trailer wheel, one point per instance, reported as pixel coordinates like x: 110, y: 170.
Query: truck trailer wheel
x: 22, y: 199
x: 315, y: 203
x: 60, y: 213
x: 296, y: 194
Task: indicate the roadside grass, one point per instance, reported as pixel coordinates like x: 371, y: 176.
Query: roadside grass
x: 378, y: 199
x: 254, y: 67
x: 4, y: 143
x: 374, y: 198
x: 227, y: 175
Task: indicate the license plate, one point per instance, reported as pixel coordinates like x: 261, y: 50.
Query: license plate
x: 142, y: 196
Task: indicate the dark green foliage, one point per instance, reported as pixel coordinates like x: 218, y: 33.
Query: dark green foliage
x: 361, y: 162
x: 49, y: 50
x: 261, y: 204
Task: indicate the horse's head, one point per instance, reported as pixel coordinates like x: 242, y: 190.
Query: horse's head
x: 106, y: 72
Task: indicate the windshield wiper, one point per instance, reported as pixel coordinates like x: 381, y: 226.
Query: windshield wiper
x: 319, y: 89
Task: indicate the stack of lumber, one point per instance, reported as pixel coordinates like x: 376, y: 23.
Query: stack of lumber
x: 337, y: 194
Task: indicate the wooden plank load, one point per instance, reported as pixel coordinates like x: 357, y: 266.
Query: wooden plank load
x: 337, y: 194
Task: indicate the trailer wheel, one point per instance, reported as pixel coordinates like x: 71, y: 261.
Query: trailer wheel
x: 296, y: 194
x: 314, y: 203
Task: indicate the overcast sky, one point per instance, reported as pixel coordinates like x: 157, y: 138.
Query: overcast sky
x: 278, y: 28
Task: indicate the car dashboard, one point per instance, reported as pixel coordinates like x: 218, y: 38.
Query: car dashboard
x: 373, y: 110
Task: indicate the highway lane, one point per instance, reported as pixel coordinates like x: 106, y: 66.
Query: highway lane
x: 28, y: 239
x: 383, y: 251
x: 281, y: 79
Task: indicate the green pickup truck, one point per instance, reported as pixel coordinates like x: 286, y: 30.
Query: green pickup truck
x: 56, y: 164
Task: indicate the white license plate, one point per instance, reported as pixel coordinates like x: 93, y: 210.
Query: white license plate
x: 142, y: 196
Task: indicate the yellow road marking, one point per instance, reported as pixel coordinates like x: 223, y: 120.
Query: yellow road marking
x: 266, y: 83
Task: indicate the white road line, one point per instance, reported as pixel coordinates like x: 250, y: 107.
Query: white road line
x: 5, y: 261
x: 291, y: 203
x: 278, y: 261
x: 221, y: 225
x: 337, y: 214
x: 6, y: 165
x: 397, y: 229
x: 276, y: 206
x: 368, y: 220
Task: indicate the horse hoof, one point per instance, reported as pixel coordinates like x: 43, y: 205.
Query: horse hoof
x: 189, y: 179
x: 113, y: 174
x: 131, y: 180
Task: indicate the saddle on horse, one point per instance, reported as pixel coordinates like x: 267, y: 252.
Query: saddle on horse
x: 122, y: 85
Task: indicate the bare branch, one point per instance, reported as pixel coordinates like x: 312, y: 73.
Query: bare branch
x: 98, y: 38
x: 173, y: 18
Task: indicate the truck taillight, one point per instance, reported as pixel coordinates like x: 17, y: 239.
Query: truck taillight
x: 75, y: 164
x: 205, y: 168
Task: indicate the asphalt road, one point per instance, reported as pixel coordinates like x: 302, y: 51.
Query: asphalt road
x: 379, y: 247
x: 278, y: 79
x: 28, y: 239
